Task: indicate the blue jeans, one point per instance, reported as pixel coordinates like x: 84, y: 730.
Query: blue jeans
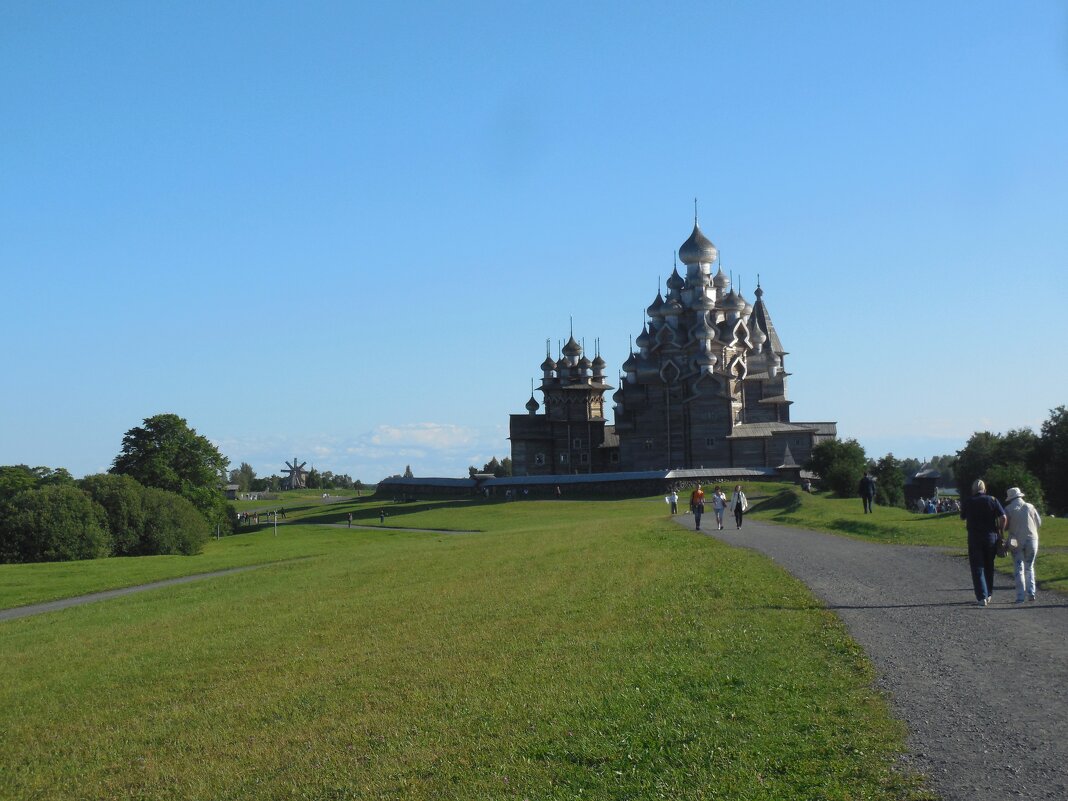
x: 1024, y: 561
x: 982, y: 548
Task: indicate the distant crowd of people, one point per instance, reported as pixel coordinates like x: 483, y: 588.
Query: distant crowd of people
x: 933, y: 506
x: 253, y: 518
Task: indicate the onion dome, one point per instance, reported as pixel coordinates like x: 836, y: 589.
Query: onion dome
x: 645, y: 339
x: 598, y: 365
x: 675, y: 281
x: 758, y: 292
x: 562, y: 366
x: 533, y: 405
x: 572, y: 348
x: 548, y: 364
x: 698, y: 249
x: 705, y: 329
x: 733, y: 301
x: 720, y: 280
x: 617, y: 397
x: 705, y: 359
x: 757, y: 336
x: 703, y: 302
x: 746, y: 308
x: 631, y: 364
x: 585, y: 364
x: 673, y: 307
x: 657, y: 307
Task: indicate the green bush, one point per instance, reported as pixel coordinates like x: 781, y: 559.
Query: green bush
x: 54, y: 523
x: 171, y: 524
x: 122, y: 500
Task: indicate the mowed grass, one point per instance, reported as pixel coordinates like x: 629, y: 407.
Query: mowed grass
x: 566, y: 650
x: 846, y: 516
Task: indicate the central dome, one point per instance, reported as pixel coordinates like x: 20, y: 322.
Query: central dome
x: 698, y: 249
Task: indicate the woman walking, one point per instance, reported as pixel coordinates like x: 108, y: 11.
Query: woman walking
x: 1024, y: 522
x: 719, y: 503
x: 739, y: 504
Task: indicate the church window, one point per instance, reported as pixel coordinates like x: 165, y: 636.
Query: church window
x: 710, y: 442
x: 577, y: 443
x: 614, y: 458
x: 563, y: 458
x: 648, y: 444
x: 539, y: 459
x: 584, y: 458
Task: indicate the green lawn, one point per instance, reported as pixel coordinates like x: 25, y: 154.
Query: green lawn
x: 823, y: 513
x: 563, y: 650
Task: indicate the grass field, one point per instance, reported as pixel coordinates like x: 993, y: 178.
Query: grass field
x: 560, y: 650
x: 822, y: 513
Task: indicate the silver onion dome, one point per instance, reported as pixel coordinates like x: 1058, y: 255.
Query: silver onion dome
x: 698, y: 249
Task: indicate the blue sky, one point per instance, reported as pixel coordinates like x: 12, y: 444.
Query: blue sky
x: 344, y: 231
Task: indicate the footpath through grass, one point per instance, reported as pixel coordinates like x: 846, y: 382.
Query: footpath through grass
x: 846, y: 516
x: 567, y: 650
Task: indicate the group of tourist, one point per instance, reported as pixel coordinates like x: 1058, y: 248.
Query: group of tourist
x: 989, y: 523
x: 937, y: 506
x: 253, y: 518
x: 738, y: 504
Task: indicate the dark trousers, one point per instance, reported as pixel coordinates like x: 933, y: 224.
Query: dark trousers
x: 981, y: 551
x: 867, y: 503
x: 698, y: 510
x: 738, y: 514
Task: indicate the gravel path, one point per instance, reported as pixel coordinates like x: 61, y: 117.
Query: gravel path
x: 63, y: 603
x: 984, y: 691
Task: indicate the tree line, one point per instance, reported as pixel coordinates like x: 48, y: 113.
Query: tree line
x: 246, y: 480
x: 1036, y: 463
x: 162, y: 495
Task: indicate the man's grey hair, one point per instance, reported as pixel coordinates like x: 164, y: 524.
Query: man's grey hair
x: 978, y: 486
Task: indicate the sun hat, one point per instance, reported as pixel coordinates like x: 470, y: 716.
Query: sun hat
x: 1013, y: 493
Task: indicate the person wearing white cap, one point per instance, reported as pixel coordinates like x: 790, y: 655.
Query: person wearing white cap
x: 1024, y: 523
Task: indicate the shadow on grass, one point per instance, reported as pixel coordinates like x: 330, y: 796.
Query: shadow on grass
x: 783, y: 503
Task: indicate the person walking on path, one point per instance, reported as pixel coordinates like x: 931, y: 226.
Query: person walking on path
x: 350, y: 519
x: 739, y: 504
x: 1024, y: 522
x: 674, y: 499
x: 985, y: 518
x: 697, y: 506
x: 719, y: 503
x: 866, y: 489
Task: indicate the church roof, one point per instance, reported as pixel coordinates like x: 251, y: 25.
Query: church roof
x: 763, y: 319
x: 763, y: 430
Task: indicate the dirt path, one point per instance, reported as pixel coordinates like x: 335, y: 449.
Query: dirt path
x: 984, y: 691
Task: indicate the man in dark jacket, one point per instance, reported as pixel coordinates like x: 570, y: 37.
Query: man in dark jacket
x: 985, y: 518
x: 867, y: 491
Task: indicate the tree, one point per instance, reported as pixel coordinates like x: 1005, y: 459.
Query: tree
x: 167, y: 454
x: 1052, y: 453
x: 889, y: 481
x: 172, y: 525
x: 1019, y: 449
x: 14, y: 479
x: 408, y: 471
x: 1000, y: 477
x: 244, y: 477
x: 52, y: 523
x: 840, y: 464
x: 122, y: 499
x: 314, y: 479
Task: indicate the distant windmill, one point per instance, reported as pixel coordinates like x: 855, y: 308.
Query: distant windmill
x: 298, y: 476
